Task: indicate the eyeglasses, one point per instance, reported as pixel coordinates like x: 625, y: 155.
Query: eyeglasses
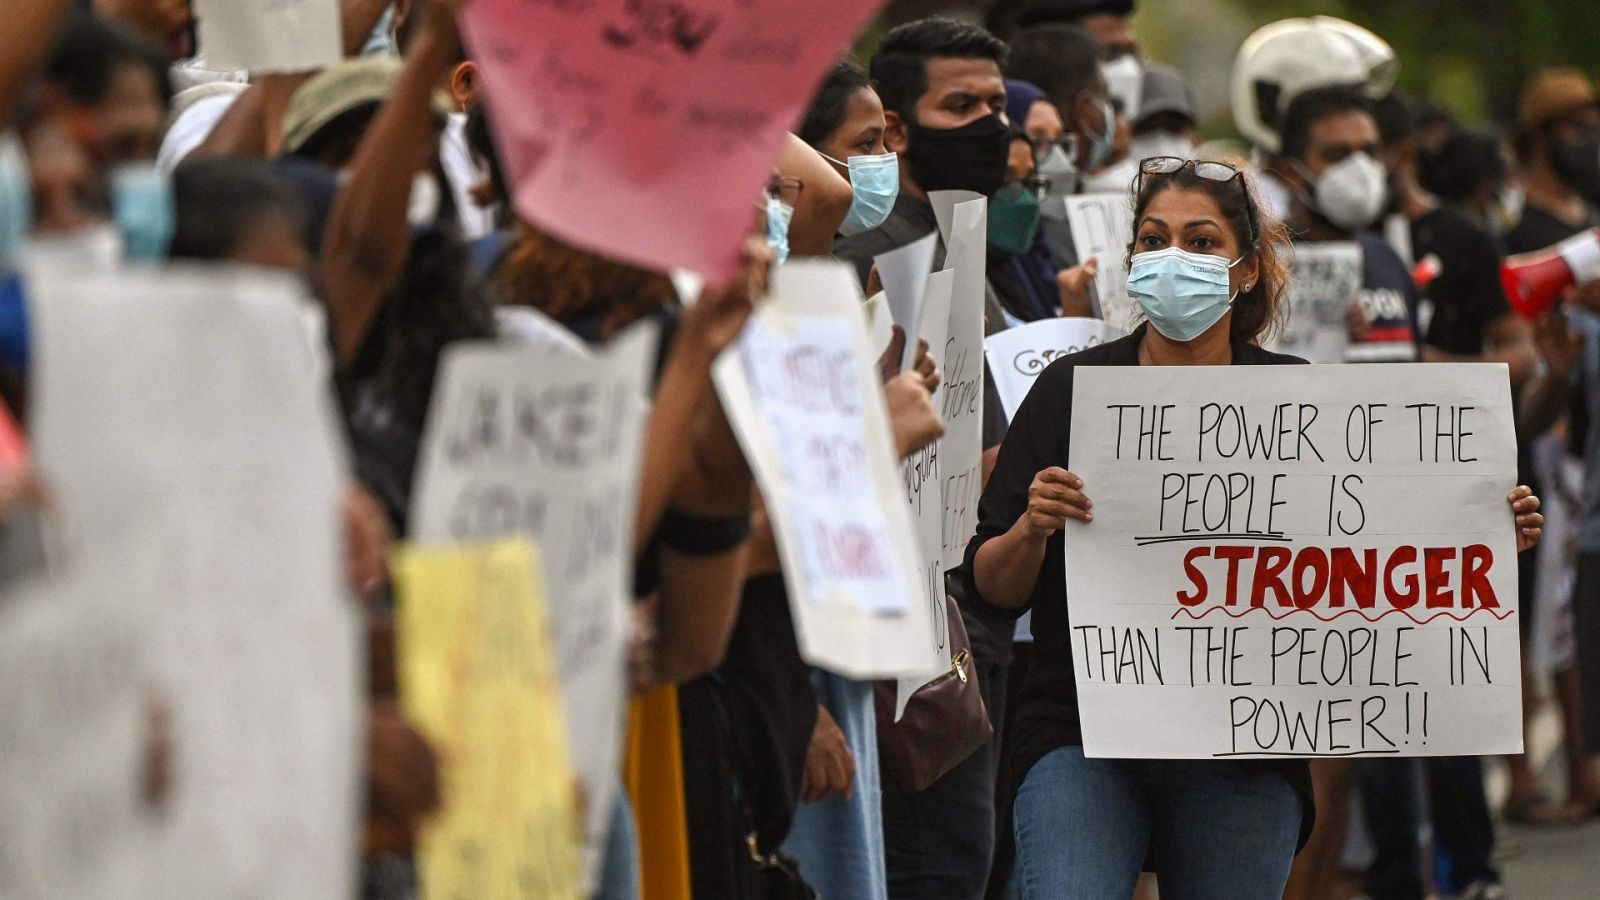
x: 1218, y: 172
x: 785, y: 189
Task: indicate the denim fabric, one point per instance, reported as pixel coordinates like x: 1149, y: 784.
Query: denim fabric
x: 1211, y: 830
x: 619, y: 870
x: 839, y: 843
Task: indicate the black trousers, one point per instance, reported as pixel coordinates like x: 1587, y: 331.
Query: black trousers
x: 1586, y: 628
x: 939, y: 843
x: 1462, y: 828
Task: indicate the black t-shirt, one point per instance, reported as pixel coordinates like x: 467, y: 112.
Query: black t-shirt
x: 1541, y: 228
x: 1046, y: 715
x: 1465, y: 298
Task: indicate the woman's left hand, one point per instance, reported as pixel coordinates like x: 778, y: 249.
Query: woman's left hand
x: 1530, y: 522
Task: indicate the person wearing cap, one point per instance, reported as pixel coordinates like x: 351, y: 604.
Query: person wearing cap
x: 1166, y: 124
x: 1558, y: 146
x: 329, y: 114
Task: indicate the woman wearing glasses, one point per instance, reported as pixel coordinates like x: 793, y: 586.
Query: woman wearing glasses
x: 1206, y: 272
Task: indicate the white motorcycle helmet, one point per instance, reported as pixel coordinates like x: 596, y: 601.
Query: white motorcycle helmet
x: 1284, y: 59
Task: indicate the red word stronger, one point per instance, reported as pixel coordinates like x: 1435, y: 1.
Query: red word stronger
x: 1341, y: 577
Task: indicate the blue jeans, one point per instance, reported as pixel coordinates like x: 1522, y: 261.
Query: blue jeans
x: 1210, y: 829
x: 838, y: 843
x: 619, y: 870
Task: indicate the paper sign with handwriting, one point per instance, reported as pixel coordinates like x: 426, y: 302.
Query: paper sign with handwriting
x: 1324, y: 282
x: 802, y: 391
x: 478, y: 678
x: 267, y: 36
x: 197, y: 461
x: 963, y: 223
x: 541, y: 442
x: 1102, y: 229
x: 1017, y: 355
x: 920, y: 472
x: 1293, y: 562
x: 645, y: 129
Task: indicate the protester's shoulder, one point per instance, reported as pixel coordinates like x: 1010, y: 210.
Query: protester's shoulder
x: 866, y: 245
x: 907, y: 222
x: 1377, y: 251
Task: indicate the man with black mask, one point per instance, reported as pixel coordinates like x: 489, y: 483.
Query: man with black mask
x: 1558, y: 143
x: 944, y: 102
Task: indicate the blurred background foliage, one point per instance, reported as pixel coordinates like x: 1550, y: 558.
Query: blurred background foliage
x: 1470, y: 56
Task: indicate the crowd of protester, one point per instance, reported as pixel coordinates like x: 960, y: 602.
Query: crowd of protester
x: 396, y: 210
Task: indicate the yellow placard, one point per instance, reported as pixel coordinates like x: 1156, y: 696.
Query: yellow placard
x: 478, y: 679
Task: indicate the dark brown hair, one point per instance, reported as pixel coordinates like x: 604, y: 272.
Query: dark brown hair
x: 1258, y: 312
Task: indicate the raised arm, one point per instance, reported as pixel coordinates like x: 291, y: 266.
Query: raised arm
x: 367, y: 236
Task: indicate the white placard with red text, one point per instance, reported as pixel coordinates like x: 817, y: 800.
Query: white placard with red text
x: 1287, y: 563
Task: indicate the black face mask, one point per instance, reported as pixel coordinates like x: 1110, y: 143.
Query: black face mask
x: 970, y: 158
x: 1577, y: 163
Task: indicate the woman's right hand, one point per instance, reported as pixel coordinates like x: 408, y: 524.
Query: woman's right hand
x: 1055, y: 496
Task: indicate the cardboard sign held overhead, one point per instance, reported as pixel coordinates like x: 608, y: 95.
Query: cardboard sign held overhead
x: 1309, y: 564
x: 645, y: 131
x: 267, y: 36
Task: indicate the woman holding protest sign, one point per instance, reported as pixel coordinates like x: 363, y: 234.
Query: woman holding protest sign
x: 1205, y: 269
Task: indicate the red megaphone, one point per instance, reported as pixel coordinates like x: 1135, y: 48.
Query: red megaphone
x: 1533, y: 282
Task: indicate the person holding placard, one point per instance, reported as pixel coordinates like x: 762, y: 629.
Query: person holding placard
x: 1063, y: 62
x: 1331, y: 161
x: 1206, y: 272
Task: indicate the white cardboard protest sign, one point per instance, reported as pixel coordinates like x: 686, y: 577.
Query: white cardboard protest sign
x: 963, y: 223
x: 1287, y: 563
x: 194, y: 453
x: 1324, y: 281
x: 801, y: 390
x: 537, y: 440
x: 904, y: 273
x: 1017, y: 355
x: 271, y: 36
x: 1102, y: 229
x: 73, y: 740
x: 920, y: 473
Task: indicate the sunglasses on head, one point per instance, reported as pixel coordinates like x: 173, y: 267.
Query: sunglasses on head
x: 1218, y: 172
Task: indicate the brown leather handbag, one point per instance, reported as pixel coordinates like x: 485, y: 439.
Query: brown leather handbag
x: 945, y: 721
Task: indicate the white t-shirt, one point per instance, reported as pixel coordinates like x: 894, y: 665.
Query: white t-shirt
x: 463, y: 173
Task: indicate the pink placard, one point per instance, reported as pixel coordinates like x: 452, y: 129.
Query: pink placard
x: 645, y: 129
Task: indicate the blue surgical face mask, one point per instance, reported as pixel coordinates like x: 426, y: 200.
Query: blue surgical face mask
x: 1104, y: 143
x: 16, y: 202
x: 874, y: 185
x: 779, y: 214
x: 1181, y: 293
x: 141, y: 204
